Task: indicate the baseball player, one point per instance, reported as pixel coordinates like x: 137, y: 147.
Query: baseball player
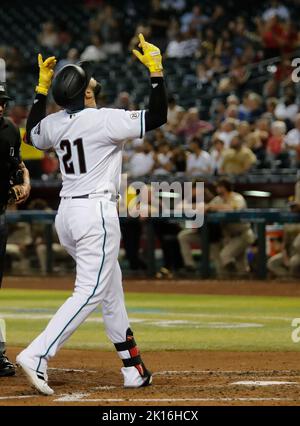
x: 89, y: 145
x: 14, y: 187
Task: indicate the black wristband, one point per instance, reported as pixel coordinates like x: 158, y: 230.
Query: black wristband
x: 157, y: 113
x: 37, y: 113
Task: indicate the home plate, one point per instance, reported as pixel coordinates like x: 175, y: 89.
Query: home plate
x: 263, y: 383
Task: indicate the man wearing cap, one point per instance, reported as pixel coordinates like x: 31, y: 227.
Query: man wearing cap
x: 14, y: 188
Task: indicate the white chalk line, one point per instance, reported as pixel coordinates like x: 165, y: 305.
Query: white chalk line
x: 264, y: 383
x: 221, y: 372
x: 153, y: 322
x: 77, y: 398
x: 72, y: 370
x: 32, y: 316
x: 84, y: 397
x: 3, y: 398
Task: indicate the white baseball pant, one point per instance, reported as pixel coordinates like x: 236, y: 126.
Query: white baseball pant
x: 90, y: 232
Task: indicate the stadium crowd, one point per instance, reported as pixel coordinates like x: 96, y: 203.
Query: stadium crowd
x: 233, y: 104
x: 241, y: 127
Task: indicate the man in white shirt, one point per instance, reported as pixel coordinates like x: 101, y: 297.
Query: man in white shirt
x: 95, y: 51
x: 141, y: 163
x: 292, y: 139
x: 89, y: 145
x: 199, y: 162
x: 276, y: 9
x: 287, y: 109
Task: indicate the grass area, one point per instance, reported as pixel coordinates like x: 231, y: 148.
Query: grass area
x: 160, y: 322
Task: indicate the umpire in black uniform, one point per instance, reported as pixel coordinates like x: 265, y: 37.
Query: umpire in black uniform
x: 14, y: 188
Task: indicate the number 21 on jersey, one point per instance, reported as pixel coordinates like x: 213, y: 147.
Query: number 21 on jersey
x: 67, y: 158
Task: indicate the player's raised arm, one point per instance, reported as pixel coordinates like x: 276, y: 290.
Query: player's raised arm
x: 38, y: 110
x: 151, y: 57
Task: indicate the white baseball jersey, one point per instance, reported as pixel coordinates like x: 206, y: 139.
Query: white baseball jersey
x: 89, y: 146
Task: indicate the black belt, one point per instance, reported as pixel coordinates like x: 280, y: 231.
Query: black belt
x: 80, y: 196
x: 76, y: 197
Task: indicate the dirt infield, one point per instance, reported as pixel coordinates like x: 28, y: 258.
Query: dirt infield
x: 196, y: 286
x: 180, y: 378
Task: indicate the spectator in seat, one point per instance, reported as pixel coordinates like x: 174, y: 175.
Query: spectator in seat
x: 163, y: 164
x: 217, y: 154
x: 271, y: 104
x: 244, y: 129
x: 276, y: 8
x: 228, y: 130
x: 141, y: 162
x: 72, y: 58
x: 194, y: 20
x: 159, y: 21
x: 109, y: 27
x: 175, y: 48
x: 124, y: 101
x: 229, y: 254
x: 255, y: 142
x: 287, y: 109
x: 204, y: 75
x: 191, y: 125
x: 238, y: 159
x: 49, y: 35
x: 255, y: 107
x: 179, y: 160
x: 175, y: 114
x: 271, y: 33
x: 232, y: 111
x: 95, y: 52
x: 292, y: 141
x: 275, y: 146
x: 199, y: 162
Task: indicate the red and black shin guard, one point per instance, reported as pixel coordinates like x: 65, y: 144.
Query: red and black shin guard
x: 134, y: 358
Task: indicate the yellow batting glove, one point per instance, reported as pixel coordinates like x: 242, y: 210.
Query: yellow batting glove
x: 46, y: 74
x: 151, y: 56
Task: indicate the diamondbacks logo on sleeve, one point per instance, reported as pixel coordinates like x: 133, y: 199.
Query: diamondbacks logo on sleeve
x: 134, y: 115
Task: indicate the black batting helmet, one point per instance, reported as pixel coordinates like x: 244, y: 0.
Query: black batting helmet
x: 69, y: 86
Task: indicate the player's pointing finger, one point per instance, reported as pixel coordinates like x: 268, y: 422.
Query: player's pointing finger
x: 40, y: 60
x: 142, y: 41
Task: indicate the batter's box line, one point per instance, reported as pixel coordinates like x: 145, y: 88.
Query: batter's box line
x: 77, y: 397
x: 226, y: 372
x: 72, y: 370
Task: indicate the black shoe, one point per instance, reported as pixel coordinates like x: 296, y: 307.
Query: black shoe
x: 6, y: 367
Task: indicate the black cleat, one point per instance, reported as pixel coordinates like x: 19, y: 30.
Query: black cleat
x: 6, y: 367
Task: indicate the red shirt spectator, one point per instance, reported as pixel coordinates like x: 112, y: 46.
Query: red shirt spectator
x: 276, y: 140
